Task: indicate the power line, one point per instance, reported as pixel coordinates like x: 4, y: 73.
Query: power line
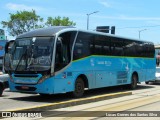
x: 140, y: 27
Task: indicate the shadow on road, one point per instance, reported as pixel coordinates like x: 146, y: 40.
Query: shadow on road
x: 88, y: 93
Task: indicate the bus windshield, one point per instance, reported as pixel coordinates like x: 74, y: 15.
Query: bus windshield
x: 32, y: 54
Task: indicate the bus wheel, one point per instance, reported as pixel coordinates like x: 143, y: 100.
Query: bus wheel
x: 134, y: 80
x: 79, y: 88
x: 147, y: 82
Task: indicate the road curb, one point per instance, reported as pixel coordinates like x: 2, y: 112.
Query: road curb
x: 72, y: 102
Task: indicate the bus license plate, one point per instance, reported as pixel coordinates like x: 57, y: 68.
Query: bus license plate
x: 25, y: 87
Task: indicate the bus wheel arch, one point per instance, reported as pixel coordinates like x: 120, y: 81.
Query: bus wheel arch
x: 80, y: 84
x: 134, y: 80
x: 85, y: 80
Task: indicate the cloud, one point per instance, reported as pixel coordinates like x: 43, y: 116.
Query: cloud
x: 153, y: 22
x: 105, y: 4
x: 17, y: 7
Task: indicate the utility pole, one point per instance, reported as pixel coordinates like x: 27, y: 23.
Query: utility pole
x: 88, y: 18
x: 140, y: 32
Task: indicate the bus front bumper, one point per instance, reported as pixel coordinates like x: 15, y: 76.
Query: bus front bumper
x: 45, y: 87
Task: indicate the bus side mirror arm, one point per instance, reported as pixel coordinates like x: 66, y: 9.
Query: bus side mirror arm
x: 6, y: 47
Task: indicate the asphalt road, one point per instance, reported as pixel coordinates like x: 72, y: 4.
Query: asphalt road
x: 13, y: 100
x: 145, y: 99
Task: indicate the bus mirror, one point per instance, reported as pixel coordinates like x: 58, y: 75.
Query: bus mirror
x: 59, y: 43
x: 6, y: 62
x: 8, y: 46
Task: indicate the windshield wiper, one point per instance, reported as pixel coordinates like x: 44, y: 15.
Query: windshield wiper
x: 20, y: 60
x: 28, y: 65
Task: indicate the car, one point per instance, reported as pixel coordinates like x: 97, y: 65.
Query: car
x: 3, y: 82
x: 157, y: 77
x: 157, y: 74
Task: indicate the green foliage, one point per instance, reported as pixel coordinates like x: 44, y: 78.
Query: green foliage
x: 58, y: 21
x: 22, y: 21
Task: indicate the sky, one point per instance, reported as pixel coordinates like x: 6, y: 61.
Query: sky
x: 130, y: 17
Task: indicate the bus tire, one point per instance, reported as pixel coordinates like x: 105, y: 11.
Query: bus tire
x: 134, y: 81
x: 147, y: 82
x: 79, y: 88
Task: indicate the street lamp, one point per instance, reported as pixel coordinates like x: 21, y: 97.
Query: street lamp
x: 140, y: 32
x: 88, y: 18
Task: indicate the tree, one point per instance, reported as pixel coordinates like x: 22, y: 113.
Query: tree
x: 22, y: 21
x: 58, y: 21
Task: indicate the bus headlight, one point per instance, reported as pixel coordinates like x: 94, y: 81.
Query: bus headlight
x: 43, y: 78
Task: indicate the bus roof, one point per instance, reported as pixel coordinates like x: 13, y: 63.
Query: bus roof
x: 116, y: 36
x: 51, y: 31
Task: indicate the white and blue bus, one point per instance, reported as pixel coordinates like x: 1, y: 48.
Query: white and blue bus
x: 68, y: 60
x: 3, y: 42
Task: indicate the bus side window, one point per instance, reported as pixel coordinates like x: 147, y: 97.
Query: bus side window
x: 117, y: 47
x: 59, y: 51
x: 63, y: 50
x: 82, y: 46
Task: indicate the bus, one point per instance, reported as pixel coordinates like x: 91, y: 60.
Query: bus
x: 69, y: 60
x: 2, y: 52
x: 2, y: 35
x: 2, y: 47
